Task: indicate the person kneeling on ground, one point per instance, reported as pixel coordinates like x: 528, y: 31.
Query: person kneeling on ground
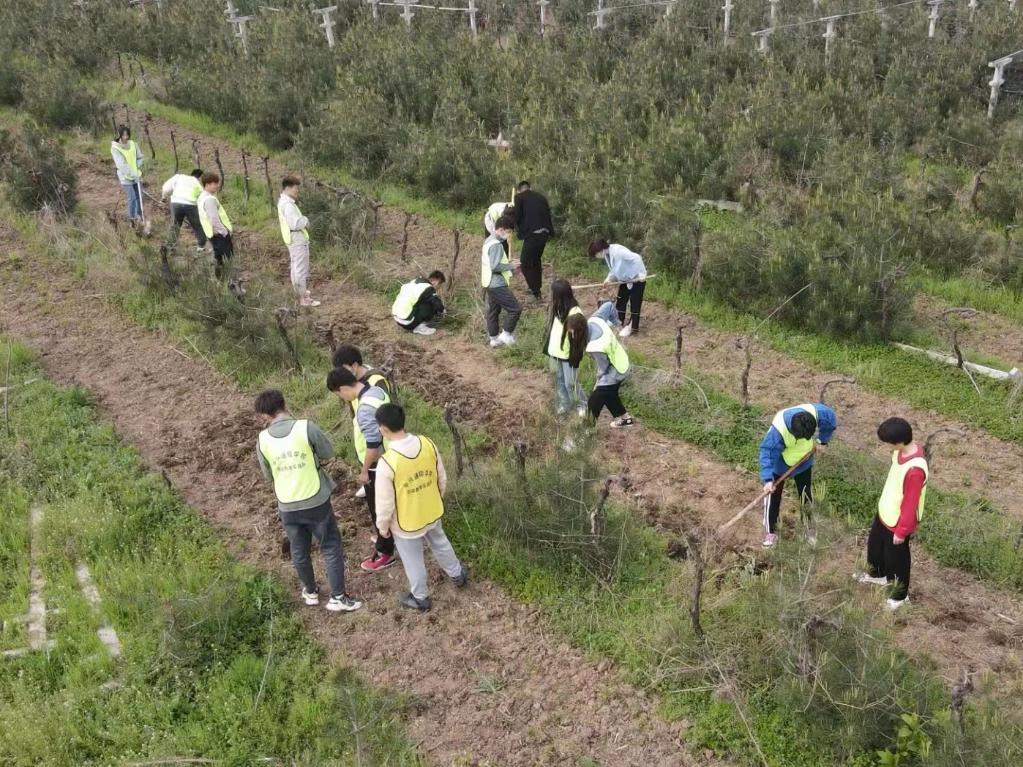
x: 789, y: 442
x: 410, y: 503
x: 899, y: 511
x: 290, y: 453
x: 494, y: 276
x: 628, y: 270
x: 611, y: 360
x: 418, y: 303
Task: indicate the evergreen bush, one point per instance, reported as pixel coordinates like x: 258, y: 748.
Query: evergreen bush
x: 36, y: 170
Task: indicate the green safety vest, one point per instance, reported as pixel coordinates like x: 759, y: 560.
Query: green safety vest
x: 485, y: 272
x: 409, y: 294
x: 292, y: 462
x: 889, y: 507
x: 555, y: 346
x: 204, y: 218
x: 187, y: 188
x: 608, y: 344
x: 795, y: 449
x: 130, y: 155
x: 494, y: 212
x: 285, y: 229
x: 358, y: 437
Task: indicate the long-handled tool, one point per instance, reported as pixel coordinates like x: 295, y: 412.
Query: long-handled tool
x: 792, y: 470
x: 611, y: 284
x: 147, y: 227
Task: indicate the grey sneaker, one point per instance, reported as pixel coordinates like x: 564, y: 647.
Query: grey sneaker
x: 462, y: 579
x: 862, y: 577
x: 409, y: 601
x: 311, y: 598
x: 343, y: 604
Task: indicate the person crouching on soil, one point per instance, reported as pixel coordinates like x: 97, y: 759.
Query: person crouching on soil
x: 290, y: 454
x: 410, y: 503
x: 567, y: 390
x: 611, y: 360
x: 418, y: 303
x: 628, y: 270
x: 899, y: 511
x: 789, y: 442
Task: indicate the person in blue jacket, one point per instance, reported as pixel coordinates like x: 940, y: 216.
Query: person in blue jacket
x: 789, y: 442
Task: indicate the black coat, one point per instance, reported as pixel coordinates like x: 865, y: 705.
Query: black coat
x: 532, y: 213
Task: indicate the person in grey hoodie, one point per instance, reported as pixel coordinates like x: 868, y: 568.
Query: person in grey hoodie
x: 128, y: 161
x: 496, y: 271
x: 628, y: 270
x: 612, y: 363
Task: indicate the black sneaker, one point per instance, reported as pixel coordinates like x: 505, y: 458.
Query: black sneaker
x: 409, y: 601
x: 462, y: 579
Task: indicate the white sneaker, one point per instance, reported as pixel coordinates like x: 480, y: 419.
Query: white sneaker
x: 496, y: 342
x: 770, y: 539
x: 423, y: 330
x: 311, y: 598
x: 343, y: 604
x: 507, y: 338
x: 866, y: 578
x: 568, y: 445
x: 361, y: 492
x: 895, y: 604
x: 625, y: 332
x: 310, y: 302
x: 811, y: 538
x: 582, y: 411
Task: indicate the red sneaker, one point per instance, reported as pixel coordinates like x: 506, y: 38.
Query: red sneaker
x: 378, y: 562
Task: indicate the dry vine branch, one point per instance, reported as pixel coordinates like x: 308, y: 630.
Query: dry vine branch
x: 456, y: 439
x: 404, y: 238
x: 959, y: 693
x: 928, y: 443
x: 963, y: 312
x: 746, y: 344
x: 678, y: 349
x: 280, y: 315
x: 454, y: 261
x: 830, y: 381
x: 699, y: 573
x: 597, y: 515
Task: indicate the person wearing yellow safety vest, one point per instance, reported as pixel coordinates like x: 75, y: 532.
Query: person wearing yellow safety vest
x: 417, y: 303
x: 290, y: 454
x: 410, y: 503
x: 899, y: 511
x: 490, y: 218
x: 295, y: 232
x: 568, y: 392
x: 184, y: 190
x: 215, y: 223
x: 611, y: 360
x: 369, y: 445
x: 790, y: 442
x: 128, y: 161
x: 496, y: 269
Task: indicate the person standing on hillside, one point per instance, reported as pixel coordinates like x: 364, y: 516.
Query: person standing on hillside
x: 184, y: 190
x: 418, y: 303
x: 350, y: 357
x: 410, y: 503
x: 535, y: 226
x: 295, y: 231
x: 899, y: 511
x: 215, y: 222
x: 369, y: 444
x: 128, y: 160
x: 290, y: 454
x: 568, y: 392
x: 496, y: 268
x: 494, y: 212
x: 788, y: 443
x: 611, y: 360
x: 628, y: 270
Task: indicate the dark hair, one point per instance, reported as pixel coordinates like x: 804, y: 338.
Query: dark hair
x: 339, y: 377
x: 895, y: 431
x: 803, y: 425
x: 196, y: 173
x: 504, y: 222
x: 578, y: 331
x: 210, y: 178
x: 437, y: 274
x: 597, y: 246
x: 562, y: 301
x: 346, y: 354
x: 290, y: 180
x: 270, y: 402
x: 391, y: 416
x: 121, y: 130
x: 523, y: 186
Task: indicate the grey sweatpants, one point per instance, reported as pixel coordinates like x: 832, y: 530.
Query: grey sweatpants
x: 299, y: 253
x: 410, y: 550
x: 502, y: 298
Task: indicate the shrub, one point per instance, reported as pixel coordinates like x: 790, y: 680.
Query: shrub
x: 56, y: 97
x: 36, y: 170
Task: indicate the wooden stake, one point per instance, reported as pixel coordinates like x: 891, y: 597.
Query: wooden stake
x: 149, y: 138
x: 220, y: 168
x: 196, y: 158
x: 245, y: 168
x: 404, y: 238
x: 174, y: 144
x: 269, y: 186
x: 454, y: 261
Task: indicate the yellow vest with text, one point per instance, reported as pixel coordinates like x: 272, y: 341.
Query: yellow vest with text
x: 417, y: 498
x: 187, y: 188
x: 357, y: 435
x: 608, y: 344
x: 485, y: 272
x: 204, y: 217
x: 130, y: 155
x: 795, y: 449
x: 409, y: 294
x: 556, y: 347
x: 292, y: 462
x: 285, y: 229
x: 889, y: 507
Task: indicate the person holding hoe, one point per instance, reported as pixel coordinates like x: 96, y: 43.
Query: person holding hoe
x: 899, y: 511
x: 788, y: 449
x: 410, y: 503
x: 627, y: 270
x: 128, y: 161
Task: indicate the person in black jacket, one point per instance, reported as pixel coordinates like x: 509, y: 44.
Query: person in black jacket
x: 534, y: 226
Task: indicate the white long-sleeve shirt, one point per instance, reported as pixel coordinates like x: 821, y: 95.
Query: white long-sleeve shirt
x: 622, y: 264
x: 288, y: 208
x: 409, y: 447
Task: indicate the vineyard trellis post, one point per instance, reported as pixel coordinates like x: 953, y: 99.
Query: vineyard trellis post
x: 376, y: 9
x: 934, y: 16
x: 196, y: 155
x: 174, y: 146
x: 774, y: 13
x: 543, y: 16
x: 727, y: 8
x: 829, y: 35
x: 972, y: 5
x: 406, y: 12
x: 472, y: 17
x: 763, y: 39
x: 245, y: 170
x: 998, y: 79
x: 327, y: 22
x: 600, y: 13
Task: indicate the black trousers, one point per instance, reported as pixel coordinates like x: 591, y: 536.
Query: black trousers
x: 425, y: 310
x: 606, y: 396
x: 383, y: 545
x: 189, y: 213
x: 633, y: 299
x: 804, y: 487
x: 886, y: 560
x: 223, y: 249
x: 532, y: 268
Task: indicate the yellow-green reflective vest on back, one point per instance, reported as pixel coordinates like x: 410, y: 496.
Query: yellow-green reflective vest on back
x: 609, y: 344
x: 556, y: 347
x: 285, y: 229
x: 409, y: 294
x: 795, y: 449
x: 358, y: 437
x: 130, y: 155
x: 486, y: 274
x: 186, y: 188
x: 292, y: 462
x: 889, y: 507
x: 417, y: 498
x: 204, y: 217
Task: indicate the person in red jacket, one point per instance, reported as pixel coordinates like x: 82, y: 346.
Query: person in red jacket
x: 899, y: 511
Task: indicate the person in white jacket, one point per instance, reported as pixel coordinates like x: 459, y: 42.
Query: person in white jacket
x: 184, y: 190
x: 628, y: 270
x: 128, y: 161
x: 294, y: 230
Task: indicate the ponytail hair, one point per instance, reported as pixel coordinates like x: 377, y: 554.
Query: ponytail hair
x: 577, y: 330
